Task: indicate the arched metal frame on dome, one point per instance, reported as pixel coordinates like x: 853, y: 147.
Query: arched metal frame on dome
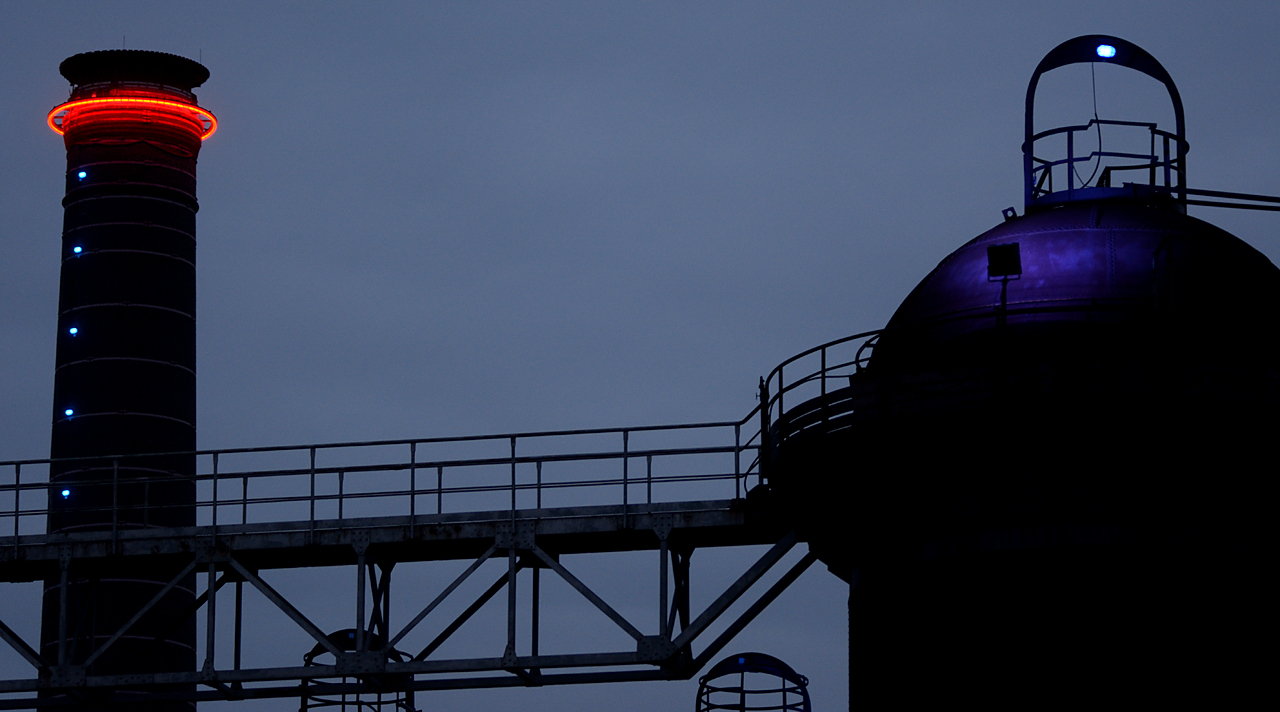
x: 791, y: 693
x: 1166, y: 169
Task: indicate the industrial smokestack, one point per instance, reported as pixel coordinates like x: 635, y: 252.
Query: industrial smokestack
x: 125, y: 382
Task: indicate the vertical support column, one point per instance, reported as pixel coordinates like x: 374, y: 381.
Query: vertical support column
x: 239, y: 623
x: 510, y: 655
x: 535, y: 603
x: 664, y: 625
x: 360, y: 576
x: 211, y: 609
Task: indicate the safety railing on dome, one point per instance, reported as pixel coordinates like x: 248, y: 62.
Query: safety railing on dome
x: 1162, y: 163
x: 323, y: 485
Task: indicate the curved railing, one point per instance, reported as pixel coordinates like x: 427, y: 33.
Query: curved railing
x: 815, y: 375
x: 1163, y: 163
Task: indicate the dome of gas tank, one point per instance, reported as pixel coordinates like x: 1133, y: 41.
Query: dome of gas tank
x: 1092, y: 274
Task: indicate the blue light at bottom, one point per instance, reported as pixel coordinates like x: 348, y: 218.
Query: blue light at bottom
x: 66, y: 494
x: 68, y: 412
x: 1106, y: 51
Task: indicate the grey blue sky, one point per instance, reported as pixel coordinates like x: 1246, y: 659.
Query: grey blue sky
x: 423, y: 219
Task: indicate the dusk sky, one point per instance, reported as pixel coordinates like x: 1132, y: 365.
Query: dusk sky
x: 430, y: 219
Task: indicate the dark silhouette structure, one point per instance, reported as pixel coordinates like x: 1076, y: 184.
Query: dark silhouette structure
x: 125, y: 382
x: 1041, y: 478
x: 1050, y: 456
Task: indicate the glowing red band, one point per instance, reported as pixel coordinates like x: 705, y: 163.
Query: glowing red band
x: 204, y: 116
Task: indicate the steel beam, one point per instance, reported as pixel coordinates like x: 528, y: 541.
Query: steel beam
x: 286, y: 607
x: 16, y: 642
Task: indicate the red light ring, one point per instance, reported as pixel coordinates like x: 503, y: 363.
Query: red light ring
x: 202, y: 115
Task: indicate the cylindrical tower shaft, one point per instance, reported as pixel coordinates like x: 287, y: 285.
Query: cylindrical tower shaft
x: 125, y: 382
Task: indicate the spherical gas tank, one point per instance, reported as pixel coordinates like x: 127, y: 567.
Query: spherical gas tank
x: 1026, y: 491
x: 1050, y: 480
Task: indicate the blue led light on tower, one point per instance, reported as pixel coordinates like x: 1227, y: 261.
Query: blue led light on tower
x: 82, y: 175
x: 69, y: 412
x: 1106, y: 51
x: 73, y: 331
x: 77, y: 249
x: 66, y: 493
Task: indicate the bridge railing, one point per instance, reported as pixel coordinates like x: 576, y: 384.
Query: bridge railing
x: 320, y: 483
x: 313, y: 485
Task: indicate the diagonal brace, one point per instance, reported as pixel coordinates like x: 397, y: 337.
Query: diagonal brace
x: 191, y: 609
x: 287, y: 607
x: 138, y: 616
x: 735, y: 591
x: 440, y: 599
x: 754, y: 610
x: 588, y: 594
x: 465, y: 615
x: 20, y: 645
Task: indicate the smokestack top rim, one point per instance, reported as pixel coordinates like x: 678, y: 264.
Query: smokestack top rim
x: 133, y: 65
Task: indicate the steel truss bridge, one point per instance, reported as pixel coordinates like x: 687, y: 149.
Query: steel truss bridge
x: 524, y: 499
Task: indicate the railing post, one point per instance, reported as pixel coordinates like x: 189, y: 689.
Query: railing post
x: 782, y: 389
x: 766, y: 449
x: 648, y: 478
x: 625, y: 438
x: 1151, y: 178
x: 737, y: 463
x: 413, y: 485
x: 1071, y: 164
x: 824, y: 371
x: 17, y: 503
x: 341, y: 477
x: 824, y: 386
x: 439, y: 489
x: 213, y: 520
x: 244, y: 500
x: 539, y: 494
x: 311, y: 531
x: 513, y: 478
